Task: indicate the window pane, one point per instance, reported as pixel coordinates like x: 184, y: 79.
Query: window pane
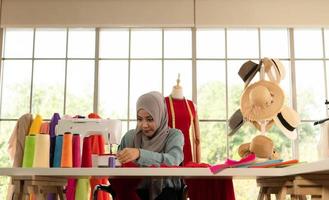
x: 213, y: 145
x: 244, y: 135
x: 242, y: 43
x: 145, y: 77
x: 124, y: 128
x: 132, y: 124
x: 50, y: 43
x: 113, y: 89
x: 326, y: 41
x: 285, y: 84
x: 6, y: 128
x: 114, y: 43
x: 308, y: 43
x: 211, y: 89
x: 18, y: 43
x: 310, y: 90
x: 16, y: 88
x: 146, y: 43
x: 245, y: 189
x: 308, y: 139
x: 235, y: 85
x: 282, y: 144
x: 210, y: 43
x: 81, y: 43
x: 80, y: 87
x: 178, y: 43
x: 171, y: 70
x: 274, y: 43
x: 48, y: 87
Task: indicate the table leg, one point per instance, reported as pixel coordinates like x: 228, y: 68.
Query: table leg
x: 262, y: 192
x: 282, y: 193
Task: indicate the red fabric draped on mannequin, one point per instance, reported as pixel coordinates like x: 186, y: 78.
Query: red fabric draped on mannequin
x: 182, y: 122
x: 198, y: 189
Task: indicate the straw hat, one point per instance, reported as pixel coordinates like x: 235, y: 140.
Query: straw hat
x: 267, y: 127
x: 248, y: 71
x: 244, y: 149
x: 261, y: 146
x: 287, y: 121
x: 271, y: 64
x: 235, y: 122
x: 261, y: 101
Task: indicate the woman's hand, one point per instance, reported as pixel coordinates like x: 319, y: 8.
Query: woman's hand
x: 128, y: 155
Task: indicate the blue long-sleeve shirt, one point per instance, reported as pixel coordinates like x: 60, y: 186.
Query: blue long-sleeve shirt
x: 171, y: 156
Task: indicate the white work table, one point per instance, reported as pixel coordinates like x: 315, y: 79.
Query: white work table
x: 301, y: 179
x: 319, y: 167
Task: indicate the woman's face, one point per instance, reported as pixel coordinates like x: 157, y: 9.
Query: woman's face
x: 146, y: 123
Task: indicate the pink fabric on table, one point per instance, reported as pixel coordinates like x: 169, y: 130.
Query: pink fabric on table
x: 233, y: 163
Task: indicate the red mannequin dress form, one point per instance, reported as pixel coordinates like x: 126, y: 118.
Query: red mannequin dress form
x: 181, y: 115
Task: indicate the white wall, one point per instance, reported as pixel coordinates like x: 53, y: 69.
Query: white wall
x: 164, y: 13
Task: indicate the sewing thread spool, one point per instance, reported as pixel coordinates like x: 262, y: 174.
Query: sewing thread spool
x: 112, y: 161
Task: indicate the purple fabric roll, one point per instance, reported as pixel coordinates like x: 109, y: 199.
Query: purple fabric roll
x: 53, y: 123
x: 51, y: 196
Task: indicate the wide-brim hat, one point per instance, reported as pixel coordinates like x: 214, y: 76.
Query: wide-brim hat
x: 235, y: 122
x: 248, y: 71
x: 268, y: 125
x: 287, y: 121
x: 261, y: 101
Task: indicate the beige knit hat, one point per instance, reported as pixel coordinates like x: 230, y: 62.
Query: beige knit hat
x: 261, y: 101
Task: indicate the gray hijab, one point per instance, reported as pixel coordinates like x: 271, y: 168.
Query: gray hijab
x: 153, y: 103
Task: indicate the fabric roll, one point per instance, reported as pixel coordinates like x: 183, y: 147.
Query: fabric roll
x: 29, y: 151
x: 17, y: 139
x: 95, y: 144
x: 58, y: 151
x: 86, y: 160
x: 44, y: 129
x: 82, y: 189
x: 70, y: 189
x: 42, y: 146
x: 97, y: 149
x: 76, y: 148
x: 36, y: 125
x: 101, y: 144
x: 52, y: 196
x: 52, y: 125
x: 52, y: 151
x: 67, y: 160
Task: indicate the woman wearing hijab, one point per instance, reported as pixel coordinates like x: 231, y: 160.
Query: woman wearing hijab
x: 153, y: 143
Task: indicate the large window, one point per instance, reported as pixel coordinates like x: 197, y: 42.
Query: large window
x: 79, y: 71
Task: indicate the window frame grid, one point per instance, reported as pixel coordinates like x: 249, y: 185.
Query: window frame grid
x: 194, y: 60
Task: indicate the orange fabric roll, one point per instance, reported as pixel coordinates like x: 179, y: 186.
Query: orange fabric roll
x: 67, y: 158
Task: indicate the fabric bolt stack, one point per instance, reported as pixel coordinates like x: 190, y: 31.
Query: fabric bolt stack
x: 33, y: 137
